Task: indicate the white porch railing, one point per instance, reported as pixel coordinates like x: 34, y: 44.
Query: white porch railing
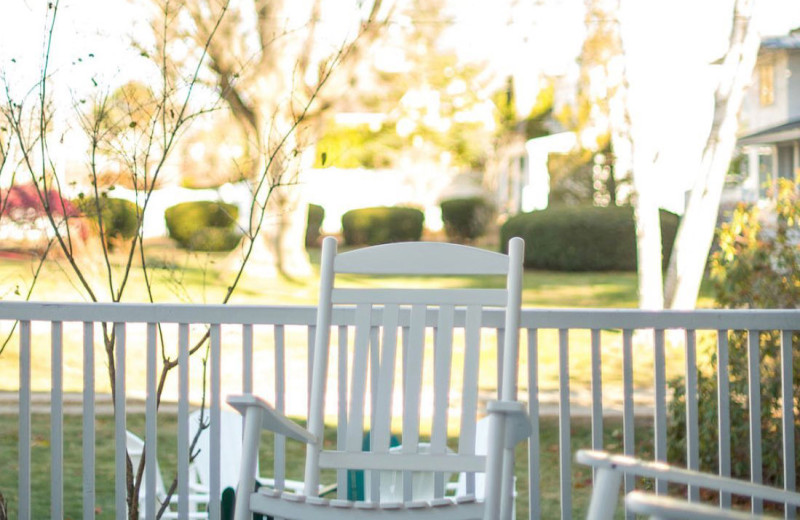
x: 238, y: 361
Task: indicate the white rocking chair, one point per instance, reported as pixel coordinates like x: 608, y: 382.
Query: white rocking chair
x: 386, y: 319
x: 611, y: 469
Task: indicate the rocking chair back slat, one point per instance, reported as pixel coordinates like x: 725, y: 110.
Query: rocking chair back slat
x: 469, y: 390
x: 443, y: 356
x: 355, y: 420
x: 381, y: 427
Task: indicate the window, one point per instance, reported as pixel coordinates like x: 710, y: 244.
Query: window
x: 766, y: 84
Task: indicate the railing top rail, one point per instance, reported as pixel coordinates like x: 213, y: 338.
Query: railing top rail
x: 703, y: 319
x: 700, y: 319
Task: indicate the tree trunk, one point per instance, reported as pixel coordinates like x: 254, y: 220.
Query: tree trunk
x: 633, y: 162
x: 696, y: 231
x: 645, y: 207
x: 648, y: 242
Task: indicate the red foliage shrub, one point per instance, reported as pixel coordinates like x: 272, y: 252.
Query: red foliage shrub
x: 24, y: 204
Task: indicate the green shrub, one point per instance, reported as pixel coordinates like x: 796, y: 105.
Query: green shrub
x: 751, y: 269
x: 316, y: 214
x: 381, y: 225
x: 203, y: 225
x: 583, y: 238
x: 120, y: 217
x: 466, y: 219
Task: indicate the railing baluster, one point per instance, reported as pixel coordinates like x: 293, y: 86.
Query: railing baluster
x: 564, y: 447
x: 310, y: 339
x: 56, y: 421
x: 24, y: 486
x: 247, y: 359
x: 501, y: 341
x: 692, y: 420
x: 597, y: 392
x: 534, y: 449
x: 183, y: 420
x: 724, y: 413
x: 754, y: 398
x: 628, y: 418
x: 151, y: 424
x: 787, y: 396
x: 216, y: 402
x: 279, y: 462
x: 660, y: 416
x: 120, y: 425
x: 88, y: 435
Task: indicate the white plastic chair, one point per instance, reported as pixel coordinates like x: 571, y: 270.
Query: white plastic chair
x: 230, y: 452
x: 611, y: 469
x: 481, y: 447
x: 390, y: 331
x: 135, y: 447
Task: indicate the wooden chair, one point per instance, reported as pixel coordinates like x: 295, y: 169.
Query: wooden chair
x: 611, y: 469
x: 389, y: 342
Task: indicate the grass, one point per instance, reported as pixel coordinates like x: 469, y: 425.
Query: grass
x: 180, y: 276
x: 104, y: 471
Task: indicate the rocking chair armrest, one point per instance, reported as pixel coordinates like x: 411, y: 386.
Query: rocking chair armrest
x: 623, y: 464
x: 272, y: 419
x: 518, y: 424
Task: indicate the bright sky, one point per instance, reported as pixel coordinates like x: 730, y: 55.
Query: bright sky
x: 531, y: 37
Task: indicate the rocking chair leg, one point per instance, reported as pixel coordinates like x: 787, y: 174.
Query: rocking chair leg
x: 605, y: 494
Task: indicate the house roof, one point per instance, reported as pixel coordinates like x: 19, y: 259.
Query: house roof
x: 777, y: 134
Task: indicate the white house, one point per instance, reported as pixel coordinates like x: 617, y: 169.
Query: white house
x: 771, y: 120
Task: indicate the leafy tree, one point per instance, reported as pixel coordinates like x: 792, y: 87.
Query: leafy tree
x: 755, y: 267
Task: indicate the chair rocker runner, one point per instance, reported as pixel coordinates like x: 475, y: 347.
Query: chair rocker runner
x: 434, y: 378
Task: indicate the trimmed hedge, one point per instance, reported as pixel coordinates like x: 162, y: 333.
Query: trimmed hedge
x: 203, y: 225
x: 583, y: 238
x: 466, y: 219
x: 381, y: 225
x: 120, y: 218
x: 316, y: 214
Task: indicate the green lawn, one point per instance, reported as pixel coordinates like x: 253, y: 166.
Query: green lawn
x: 179, y: 276
x: 104, y: 476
